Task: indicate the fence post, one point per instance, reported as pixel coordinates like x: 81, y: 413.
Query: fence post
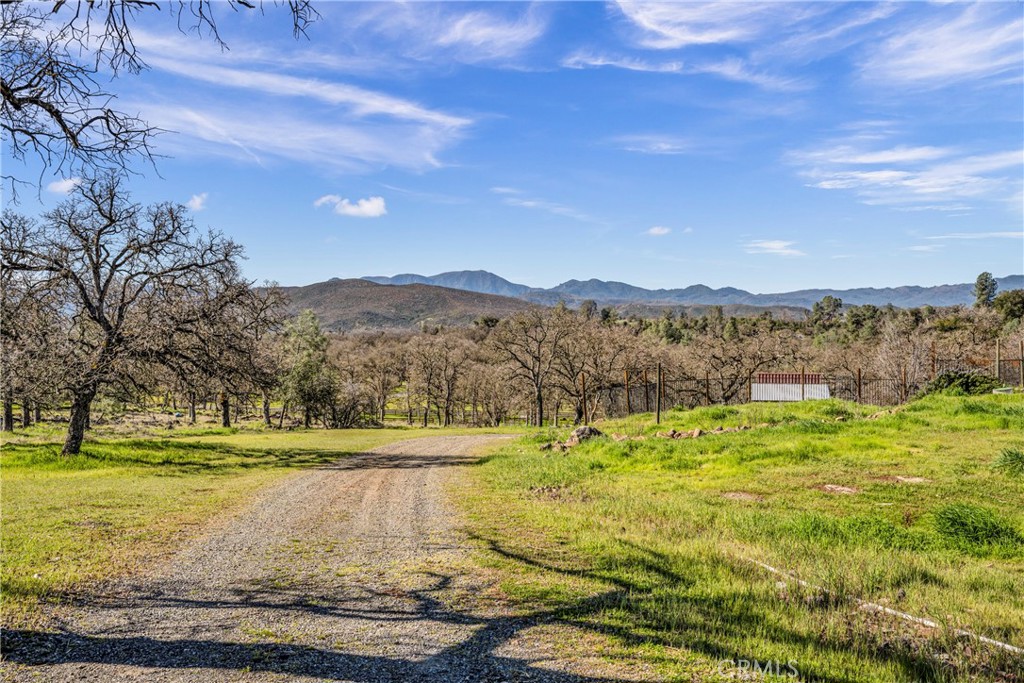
x: 998, y: 361
x: 657, y: 396
x: 1021, y: 356
x: 647, y: 394
x: 859, y: 384
x: 803, y: 381
x: 629, y: 409
x: 750, y: 386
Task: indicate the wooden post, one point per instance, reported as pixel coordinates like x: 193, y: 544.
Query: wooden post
x: 625, y: 373
x: 586, y: 414
x: 750, y: 386
x: 859, y: 385
x: 998, y: 360
x: 657, y: 418
x: 647, y: 394
x: 1021, y: 368
x: 803, y: 380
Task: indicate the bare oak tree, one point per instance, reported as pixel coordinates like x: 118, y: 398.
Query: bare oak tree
x: 53, y: 58
x: 138, y: 286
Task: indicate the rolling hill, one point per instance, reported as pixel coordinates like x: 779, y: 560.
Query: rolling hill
x: 357, y: 305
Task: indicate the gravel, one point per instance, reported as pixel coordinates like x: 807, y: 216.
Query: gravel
x: 356, y: 571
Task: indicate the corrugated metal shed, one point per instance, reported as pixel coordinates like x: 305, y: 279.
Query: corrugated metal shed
x: 788, y: 392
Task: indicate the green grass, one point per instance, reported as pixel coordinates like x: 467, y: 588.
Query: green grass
x: 651, y: 541
x: 125, y: 503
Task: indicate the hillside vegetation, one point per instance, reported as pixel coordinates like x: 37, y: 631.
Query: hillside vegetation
x: 356, y: 305
x: 655, y: 541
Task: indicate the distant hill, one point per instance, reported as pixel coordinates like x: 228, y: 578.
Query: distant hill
x: 620, y: 293
x: 469, y: 280
x: 354, y: 305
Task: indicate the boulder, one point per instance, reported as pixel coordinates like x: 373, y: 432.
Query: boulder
x: 581, y: 434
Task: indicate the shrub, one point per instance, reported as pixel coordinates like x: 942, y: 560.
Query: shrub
x: 961, y: 383
x: 1010, y: 462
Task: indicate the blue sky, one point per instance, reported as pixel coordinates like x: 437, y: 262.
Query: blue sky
x: 763, y: 146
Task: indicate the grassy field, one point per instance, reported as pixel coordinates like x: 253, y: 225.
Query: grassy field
x: 129, y: 501
x: 653, y: 542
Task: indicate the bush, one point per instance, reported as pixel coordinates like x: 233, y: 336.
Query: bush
x: 961, y: 383
x: 1010, y: 462
x: 973, y: 525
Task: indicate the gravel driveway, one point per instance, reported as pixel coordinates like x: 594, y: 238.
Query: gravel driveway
x: 350, y: 572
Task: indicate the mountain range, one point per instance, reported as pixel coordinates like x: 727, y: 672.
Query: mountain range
x: 605, y: 293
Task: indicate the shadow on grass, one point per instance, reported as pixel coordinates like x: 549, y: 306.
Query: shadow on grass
x: 473, y: 658
x: 174, y: 457
x: 708, y: 625
x: 652, y: 605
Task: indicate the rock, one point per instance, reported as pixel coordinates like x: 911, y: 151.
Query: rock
x: 681, y: 435
x: 835, y: 488
x: 581, y: 434
x: 717, y: 430
x: 696, y: 432
x: 619, y: 437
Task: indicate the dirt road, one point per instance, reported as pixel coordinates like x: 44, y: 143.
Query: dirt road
x: 350, y: 572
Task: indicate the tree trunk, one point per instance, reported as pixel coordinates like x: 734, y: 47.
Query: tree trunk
x: 266, y: 408
x: 284, y: 409
x: 38, y: 414
x: 8, y: 415
x: 26, y: 414
x: 225, y: 411
x: 192, y: 408
x: 81, y: 402
x: 305, y: 416
x: 540, y: 407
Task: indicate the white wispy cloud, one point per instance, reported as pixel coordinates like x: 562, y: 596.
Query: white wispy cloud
x: 673, y: 25
x: 197, y: 202
x: 484, y: 36
x: 63, y: 186
x: 925, y: 248
x: 249, y: 135
x: 775, y: 247
x: 589, y: 60
x: 446, y: 32
x: 512, y: 196
x: 654, y: 144
x: 659, y: 231
x: 359, y: 101
x: 916, y: 177
x: 371, y: 207
x: 978, y: 236
x: 975, y: 42
x: 739, y: 70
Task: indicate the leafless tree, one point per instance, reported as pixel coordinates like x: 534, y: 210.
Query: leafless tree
x: 53, y: 58
x: 138, y: 286
x: 531, y: 342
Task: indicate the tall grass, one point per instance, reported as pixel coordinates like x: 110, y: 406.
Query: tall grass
x: 905, y: 509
